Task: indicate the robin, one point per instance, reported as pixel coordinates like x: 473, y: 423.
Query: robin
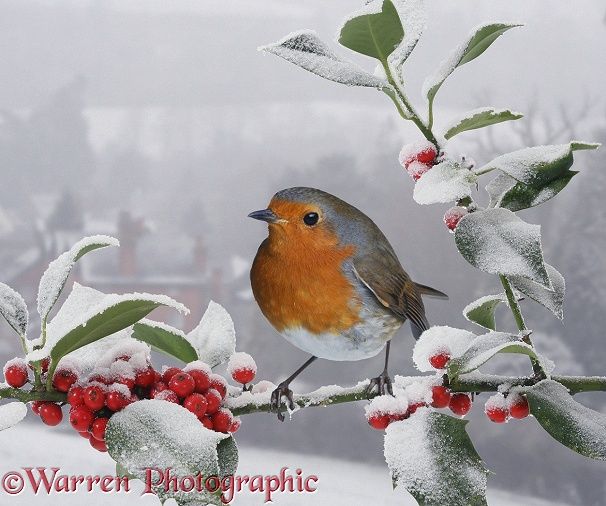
x: 330, y: 283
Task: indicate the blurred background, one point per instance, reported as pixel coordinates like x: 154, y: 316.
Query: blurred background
x: 158, y: 122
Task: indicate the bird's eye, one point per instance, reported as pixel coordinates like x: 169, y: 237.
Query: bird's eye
x: 310, y: 219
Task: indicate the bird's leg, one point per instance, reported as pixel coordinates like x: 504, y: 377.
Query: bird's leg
x: 283, y: 390
x: 383, y: 381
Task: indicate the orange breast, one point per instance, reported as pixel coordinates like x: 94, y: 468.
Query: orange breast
x: 297, y: 280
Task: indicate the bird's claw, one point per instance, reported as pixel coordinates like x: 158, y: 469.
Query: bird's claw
x: 383, y: 384
x: 282, y: 390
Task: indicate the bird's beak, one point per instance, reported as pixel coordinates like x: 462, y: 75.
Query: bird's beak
x: 264, y: 215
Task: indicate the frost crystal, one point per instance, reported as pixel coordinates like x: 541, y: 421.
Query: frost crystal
x: 11, y: 414
x: 437, y: 340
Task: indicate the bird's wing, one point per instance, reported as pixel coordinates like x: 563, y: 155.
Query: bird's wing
x: 381, y: 272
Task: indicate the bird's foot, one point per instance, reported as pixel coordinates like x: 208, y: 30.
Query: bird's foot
x: 282, y: 390
x: 383, y: 384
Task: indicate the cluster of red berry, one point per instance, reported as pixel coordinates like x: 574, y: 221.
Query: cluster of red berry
x: 453, y: 216
x: 418, y: 158
x: 500, y: 409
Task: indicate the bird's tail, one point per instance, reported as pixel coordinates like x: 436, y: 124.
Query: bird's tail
x: 419, y: 326
x: 430, y: 292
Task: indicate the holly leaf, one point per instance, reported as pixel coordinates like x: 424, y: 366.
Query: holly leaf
x: 153, y: 434
x: 432, y: 456
x: 13, y: 309
x: 166, y: 339
x: 375, y: 30
x: 483, y: 348
x: 54, y: 278
x: 498, y: 242
x: 306, y: 50
x: 481, y: 311
x: 478, y: 41
x: 447, y: 181
x: 480, y: 118
x: 581, y: 429
x: 510, y: 194
x: 214, y: 339
x: 551, y: 299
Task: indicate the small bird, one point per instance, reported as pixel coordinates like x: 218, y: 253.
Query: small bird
x: 330, y: 283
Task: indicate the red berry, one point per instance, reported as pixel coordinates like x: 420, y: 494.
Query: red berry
x: 64, y: 379
x: 201, y: 379
x: 16, y: 375
x: 207, y: 422
x: 213, y: 401
x: 51, y: 413
x: 80, y: 418
x: 145, y: 378
x: 127, y: 382
x: 496, y: 414
x: 75, y: 396
x: 379, y: 421
x: 403, y: 415
x: 412, y: 408
x: 116, y: 401
x: 158, y: 387
x: 36, y: 405
x: 94, y: 398
x: 460, y: 404
x: 235, y: 425
x: 222, y: 420
x: 182, y: 384
x: 440, y: 396
x: 243, y: 376
x: 99, y: 378
x: 169, y: 373
x: 167, y: 395
x: 453, y: 216
x: 519, y: 408
x: 439, y: 360
x: 219, y: 384
x: 417, y: 169
x: 428, y: 155
x: 196, y: 403
x: 44, y: 363
x: 98, y: 427
x: 96, y: 444
x: 85, y: 434
x: 157, y: 377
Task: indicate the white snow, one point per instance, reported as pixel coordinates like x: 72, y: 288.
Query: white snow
x: 11, y: 414
x: 17, y: 361
x: 56, y: 274
x: 239, y: 361
x: 305, y: 49
x: 448, y: 181
x: 440, y: 339
x: 386, y: 405
x: 13, y: 309
x: 214, y: 338
x: 409, y: 151
x: 551, y: 299
x: 198, y: 365
x: 413, y: 16
x: 163, y: 326
x: 497, y: 401
x: 263, y: 386
x: 420, y: 391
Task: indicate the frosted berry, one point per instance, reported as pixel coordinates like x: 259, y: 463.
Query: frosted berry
x: 75, y: 396
x: 201, y: 379
x: 496, y: 414
x: 51, y: 413
x: 243, y: 376
x: 207, y: 422
x: 167, y: 395
x: 145, y: 378
x: 222, y: 420
x: 453, y: 216
x: 412, y: 408
x: 81, y: 418
x: 182, y: 384
x: 213, y: 401
x: 116, y: 401
x: 96, y: 444
x: 440, y: 396
x: 519, y: 408
x: 126, y: 381
x: 219, y: 384
x: 16, y: 375
x: 460, y: 404
x: 242, y: 368
x: 235, y: 425
x: 157, y: 388
x: 36, y: 405
x: 439, y: 360
x: 64, y: 379
x: 93, y: 397
x: 99, y: 378
x: 379, y: 421
x: 169, y: 373
x: 196, y: 403
x: 417, y: 169
x: 98, y: 427
x: 427, y: 155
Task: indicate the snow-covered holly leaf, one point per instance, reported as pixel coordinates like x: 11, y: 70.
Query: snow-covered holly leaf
x: 160, y: 434
x: 54, y: 278
x: 13, y: 309
x: 432, y: 456
x: 581, y: 429
x: 538, y: 165
x: 478, y: 41
x: 486, y: 346
x: 413, y: 17
x: 498, y: 242
x: 448, y: 181
x: 480, y: 118
x: 11, y: 414
x: 510, y: 194
x: 214, y: 338
x: 482, y: 311
x: 166, y: 339
x: 375, y: 30
x: 551, y: 299
x: 306, y: 50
